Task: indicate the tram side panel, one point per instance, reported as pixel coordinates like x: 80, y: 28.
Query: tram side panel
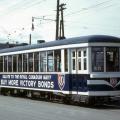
x: 104, y: 86
x: 84, y: 89
x: 78, y: 83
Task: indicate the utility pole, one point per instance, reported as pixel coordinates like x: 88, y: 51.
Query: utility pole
x: 60, y: 21
x: 57, y: 20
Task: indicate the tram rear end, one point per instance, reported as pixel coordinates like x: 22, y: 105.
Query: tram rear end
x: 99, y: 81
x: 104, y: 82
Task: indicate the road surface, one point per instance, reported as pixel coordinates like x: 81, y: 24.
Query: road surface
x: 13, y: 108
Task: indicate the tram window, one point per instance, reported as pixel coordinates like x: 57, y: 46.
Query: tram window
x: 43, y: 61
x: 66, y: 59
x: 73, y: 64
x: 14, y: 63
x: 9, y: 63
x: 73, y: 60
x: 25, y: 63
x: 112, y: 59
x: 30, y: 62
x: 85, y: 64
x: 1, y: 64
x: 84, y: 53
x: 79, y: 64
x: 85, y: 59
x: 57, y: 60
x: 79, y: 53
x: 36, y: 62
x: 5, y: 63
x: 79, y: 60
x: 50, y: 61
x: 20, y: 63
x: 73, y: 54
x: 97, y: 59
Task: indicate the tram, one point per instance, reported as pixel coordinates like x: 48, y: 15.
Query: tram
x: 81, y: 69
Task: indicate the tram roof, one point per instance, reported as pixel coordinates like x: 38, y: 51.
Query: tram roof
x: 75, y: 40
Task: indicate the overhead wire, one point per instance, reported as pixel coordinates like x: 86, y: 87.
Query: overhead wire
x: 23, y: 4
x: 101, y: 4
x: 88, y: 8
x: 33, y: 4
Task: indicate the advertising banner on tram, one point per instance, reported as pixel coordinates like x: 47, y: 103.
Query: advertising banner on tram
x: 38, y: 81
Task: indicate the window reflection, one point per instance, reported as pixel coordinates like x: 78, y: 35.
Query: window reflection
x: 1, y: 64
x: 25, y: 62
x: 9, y: 63
x: 50, y: 61
x: 36, y: 62
x: 14, y: 63
x: 73, y: 60
x: 85, y: 59
x: 112, y: 59
x: 43, y: 62
x: 30, y: 62
x: 97, y: 59
x: 57, y: 60
x: 5, y: 63
x: 66, y: 59
x: 20, y: 63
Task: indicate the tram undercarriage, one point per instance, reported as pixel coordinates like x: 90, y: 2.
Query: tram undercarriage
x: 57, y: 97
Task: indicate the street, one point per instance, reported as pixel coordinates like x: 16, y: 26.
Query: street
x: 12, y: 108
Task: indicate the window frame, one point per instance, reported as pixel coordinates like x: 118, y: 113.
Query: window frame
x: 104, y: 59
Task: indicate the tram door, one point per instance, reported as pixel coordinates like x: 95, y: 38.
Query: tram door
x: 78, y: 66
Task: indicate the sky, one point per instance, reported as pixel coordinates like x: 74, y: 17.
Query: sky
x: 81, y: 18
